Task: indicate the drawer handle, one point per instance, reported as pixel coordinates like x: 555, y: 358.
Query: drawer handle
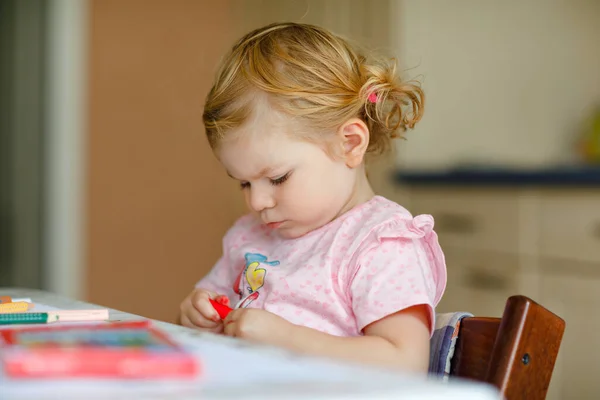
x: 455, y: 223
x: 478, y: 279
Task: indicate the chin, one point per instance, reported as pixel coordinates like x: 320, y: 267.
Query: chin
x: 290, y: 233
x: 293, y: 232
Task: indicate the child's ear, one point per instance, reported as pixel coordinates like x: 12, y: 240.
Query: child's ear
x: 354, y: 135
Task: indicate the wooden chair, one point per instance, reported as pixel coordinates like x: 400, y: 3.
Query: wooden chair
x: 515, y: 353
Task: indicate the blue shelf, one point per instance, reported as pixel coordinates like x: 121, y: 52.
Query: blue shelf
x: 559, y: 176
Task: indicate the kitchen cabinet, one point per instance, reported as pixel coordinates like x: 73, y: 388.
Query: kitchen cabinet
x: 540, y: 242
x: 576, y: 298
x: 478, y: 282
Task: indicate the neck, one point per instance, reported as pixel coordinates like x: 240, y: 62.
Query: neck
x: 361, y: 193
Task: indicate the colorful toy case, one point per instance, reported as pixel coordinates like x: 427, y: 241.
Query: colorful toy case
x: 127, y: 350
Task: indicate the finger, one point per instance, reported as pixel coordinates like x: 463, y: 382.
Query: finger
x: 230, y: 328
x: 219, y: 328
x: 185, y: 321
x: 201, y: 302
x: 233, y: 315
x: 200, y: 321
x: 230, y: 324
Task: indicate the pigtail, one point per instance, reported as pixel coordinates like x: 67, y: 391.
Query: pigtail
x: 390, y: 105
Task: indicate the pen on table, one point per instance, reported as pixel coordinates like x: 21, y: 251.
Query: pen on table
x: 8, y: 299
x: 15, y: 307
x: 25, y: 299
x: 54, y: 316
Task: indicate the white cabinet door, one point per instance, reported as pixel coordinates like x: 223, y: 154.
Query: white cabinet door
x: 486, y: 220
x: 479, y: 282
x: 570, y: 225
x: 576, y: 299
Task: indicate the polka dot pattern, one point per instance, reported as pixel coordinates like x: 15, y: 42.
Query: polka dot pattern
x: 371, y: 262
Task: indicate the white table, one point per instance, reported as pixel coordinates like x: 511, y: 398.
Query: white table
x: 234, y: 369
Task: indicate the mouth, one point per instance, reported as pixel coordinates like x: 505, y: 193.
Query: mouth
x: 274, y: 225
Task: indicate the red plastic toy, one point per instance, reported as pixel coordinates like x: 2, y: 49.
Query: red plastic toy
x: 221, y: 309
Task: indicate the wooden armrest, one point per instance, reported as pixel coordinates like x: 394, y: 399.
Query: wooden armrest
x: 515, y: 353
x: 525, y: 349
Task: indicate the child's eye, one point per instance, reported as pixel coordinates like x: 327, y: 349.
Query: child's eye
x: 280, y: 180
x: 244, y: 185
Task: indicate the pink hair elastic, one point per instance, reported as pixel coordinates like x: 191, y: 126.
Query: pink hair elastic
x: 372, y: 97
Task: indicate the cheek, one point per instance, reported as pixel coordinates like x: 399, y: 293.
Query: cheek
x: 310, y: 193
x: 295, y: 194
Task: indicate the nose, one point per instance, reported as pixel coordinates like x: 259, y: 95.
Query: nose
x: 259, y: 199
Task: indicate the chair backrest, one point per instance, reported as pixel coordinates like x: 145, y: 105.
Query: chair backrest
x: 515, y: 353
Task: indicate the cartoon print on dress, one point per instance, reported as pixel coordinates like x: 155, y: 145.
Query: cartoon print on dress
x: 251, y: 278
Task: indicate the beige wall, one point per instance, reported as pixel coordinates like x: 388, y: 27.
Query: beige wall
x: 507, y: 82
x: 158, y: 204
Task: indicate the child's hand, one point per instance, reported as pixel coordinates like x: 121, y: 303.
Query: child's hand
x: 198, y: 313
x: 257, y: 325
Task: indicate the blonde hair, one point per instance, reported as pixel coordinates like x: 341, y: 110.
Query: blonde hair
x: 314, y: 76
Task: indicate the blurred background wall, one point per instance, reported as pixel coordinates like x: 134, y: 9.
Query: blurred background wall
x: 157, y: 203
x: 509, y: 83
x: 110, y: 193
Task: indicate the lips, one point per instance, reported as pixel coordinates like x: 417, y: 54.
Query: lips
x: 274, y: 225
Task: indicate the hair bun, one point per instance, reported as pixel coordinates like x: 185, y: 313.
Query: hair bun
x: 391, y: 106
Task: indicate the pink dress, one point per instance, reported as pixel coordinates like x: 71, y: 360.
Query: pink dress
x: 372, y: 261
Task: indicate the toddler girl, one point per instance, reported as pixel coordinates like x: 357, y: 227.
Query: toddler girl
x: 322, y: 265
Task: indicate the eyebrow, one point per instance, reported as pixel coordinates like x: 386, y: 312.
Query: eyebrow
x: 263, y: 172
